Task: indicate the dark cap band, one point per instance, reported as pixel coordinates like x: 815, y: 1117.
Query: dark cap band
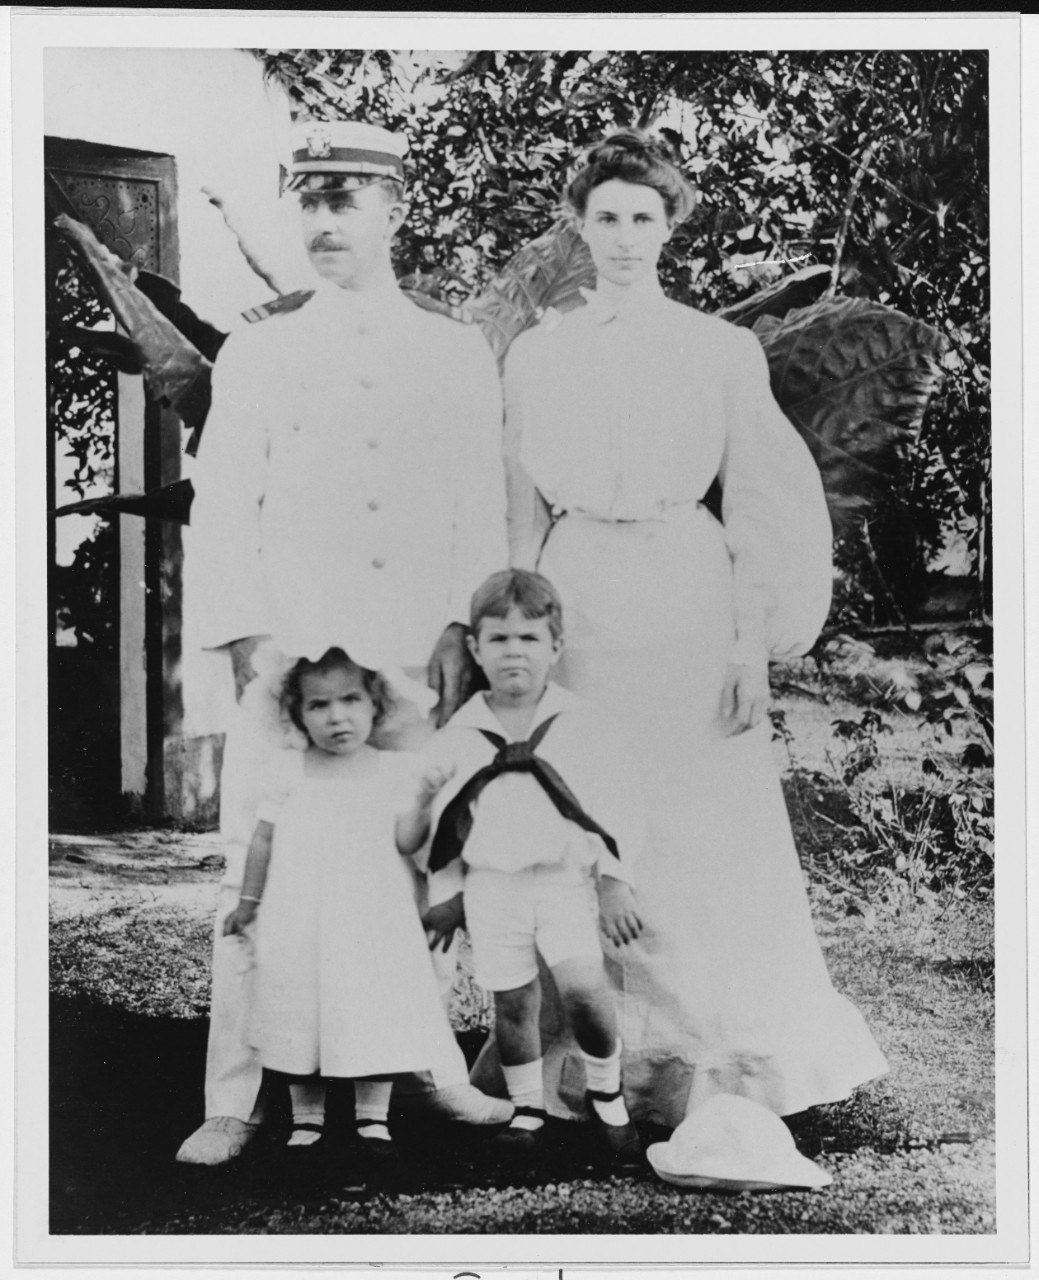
x: 349, y: 160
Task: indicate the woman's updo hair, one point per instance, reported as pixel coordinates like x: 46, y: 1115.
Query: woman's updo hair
x: 632, y: 156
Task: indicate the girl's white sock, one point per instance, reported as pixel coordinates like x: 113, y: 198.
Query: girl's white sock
x: 372, y: 1102
x: 526, y: 1089
x: 604, y: 1076
x: 304, y: 1112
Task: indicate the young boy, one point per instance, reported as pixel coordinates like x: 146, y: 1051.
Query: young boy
x: 531, y: 788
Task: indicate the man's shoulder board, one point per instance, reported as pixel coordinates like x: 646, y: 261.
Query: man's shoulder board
x: 278, y: 306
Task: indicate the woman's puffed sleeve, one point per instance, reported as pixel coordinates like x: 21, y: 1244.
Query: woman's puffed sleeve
x: 281, y: 776
x: 777, y: 526
x: 224, y: 593
x: 528, y: 516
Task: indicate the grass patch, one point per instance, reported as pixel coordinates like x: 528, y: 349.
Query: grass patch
x: 152, y: 960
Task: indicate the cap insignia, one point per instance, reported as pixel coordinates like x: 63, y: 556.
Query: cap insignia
x: 319, y: 142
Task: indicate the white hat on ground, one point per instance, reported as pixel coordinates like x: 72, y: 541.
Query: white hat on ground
x: 733, y: 1144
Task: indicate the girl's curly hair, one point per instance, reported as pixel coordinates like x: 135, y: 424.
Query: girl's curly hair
x: 334, y: 660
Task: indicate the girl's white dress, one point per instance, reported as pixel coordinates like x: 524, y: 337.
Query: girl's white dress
x: 344, y: 980
x: 622, y: 418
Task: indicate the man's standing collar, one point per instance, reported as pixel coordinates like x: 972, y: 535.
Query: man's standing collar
x: 335, y: 300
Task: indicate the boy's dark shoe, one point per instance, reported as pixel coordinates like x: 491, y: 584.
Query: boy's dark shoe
x: 517, y: 1143
x: 619, y: 1145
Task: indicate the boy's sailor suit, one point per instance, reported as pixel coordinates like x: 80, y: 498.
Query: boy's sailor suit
x: 517, y: 833
x: 515, y: 824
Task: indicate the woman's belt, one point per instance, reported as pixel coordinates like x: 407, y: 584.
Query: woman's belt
x: 558, y: 512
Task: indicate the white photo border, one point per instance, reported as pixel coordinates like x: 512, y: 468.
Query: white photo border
x: 34, y: 30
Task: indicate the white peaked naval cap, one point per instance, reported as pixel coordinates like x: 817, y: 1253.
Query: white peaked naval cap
x: 346, y: 148
x: 732, y: 1144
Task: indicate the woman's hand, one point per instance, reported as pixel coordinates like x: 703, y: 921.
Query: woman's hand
x: 240, y: 918
x: 745, y: 696
x: 618, y: 913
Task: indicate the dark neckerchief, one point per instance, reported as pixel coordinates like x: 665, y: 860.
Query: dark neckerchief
x: 456, y: 822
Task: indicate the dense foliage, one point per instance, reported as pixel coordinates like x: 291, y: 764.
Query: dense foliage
x: 871, y: 163
x: 81, y: 389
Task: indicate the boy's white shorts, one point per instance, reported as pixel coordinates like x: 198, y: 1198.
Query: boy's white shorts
x: 511, y: 915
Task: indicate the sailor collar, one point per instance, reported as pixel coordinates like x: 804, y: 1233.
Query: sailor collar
x: 476, y: 714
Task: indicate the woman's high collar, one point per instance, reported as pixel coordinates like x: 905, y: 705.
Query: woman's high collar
x: 607, y: 301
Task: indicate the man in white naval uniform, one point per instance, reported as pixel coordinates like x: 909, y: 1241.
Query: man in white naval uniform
x: 349, y: 491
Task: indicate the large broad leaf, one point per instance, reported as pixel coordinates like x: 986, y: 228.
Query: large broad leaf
x: 796, y: 290
x: 854, y: 377
x: 548, y: 272
x: 174, y: 369
x: 205, y: 337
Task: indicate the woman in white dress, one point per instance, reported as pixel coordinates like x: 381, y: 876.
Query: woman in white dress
x: 619, y: 415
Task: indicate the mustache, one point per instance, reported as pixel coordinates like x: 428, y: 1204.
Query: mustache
x: 322, y: 243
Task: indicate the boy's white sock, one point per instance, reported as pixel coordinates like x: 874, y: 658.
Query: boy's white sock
x: 304, y: 1112
x: 604, y: 1076
x: 526, y: 1089
x: 372, y: 1102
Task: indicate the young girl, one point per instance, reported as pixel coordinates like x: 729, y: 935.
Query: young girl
x: 344, y: 983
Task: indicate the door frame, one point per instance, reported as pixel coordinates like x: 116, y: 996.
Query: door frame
x: 151, y: 705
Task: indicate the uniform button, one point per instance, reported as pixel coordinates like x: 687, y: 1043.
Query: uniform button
x: 367, y: 384
x: 372, y: 442
x: 373, y: 504
x: 378, y: 562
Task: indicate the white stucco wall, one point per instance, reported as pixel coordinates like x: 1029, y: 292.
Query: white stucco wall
x: 226, y: 128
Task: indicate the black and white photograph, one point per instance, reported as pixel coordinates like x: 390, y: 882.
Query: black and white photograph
x: 406, y: 423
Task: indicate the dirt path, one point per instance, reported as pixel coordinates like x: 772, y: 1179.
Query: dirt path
x: 90, y: 873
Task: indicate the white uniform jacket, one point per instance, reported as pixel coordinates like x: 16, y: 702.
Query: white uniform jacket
x: 515, y: 824
x: 349, y: 487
